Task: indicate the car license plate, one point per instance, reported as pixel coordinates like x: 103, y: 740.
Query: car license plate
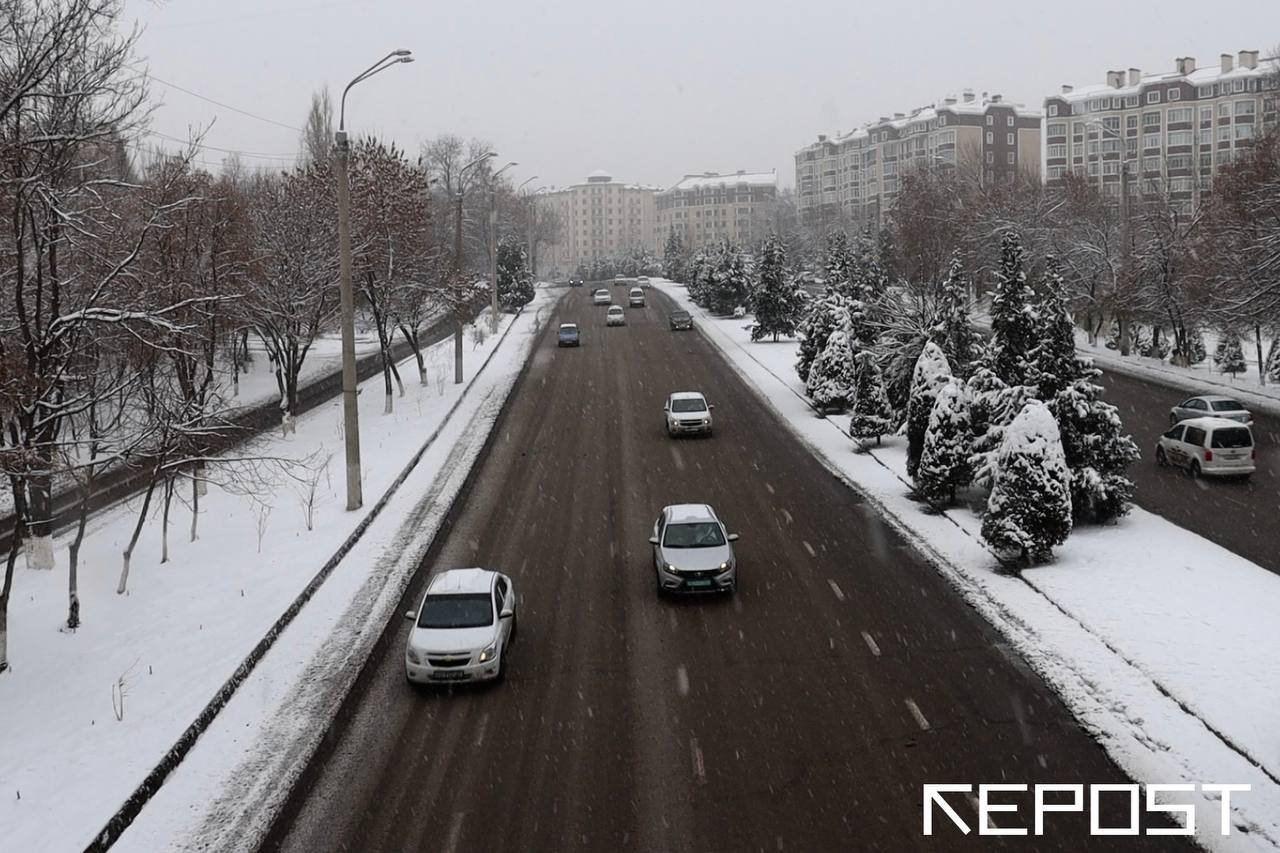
x: 449, y: 676
x: 700, y: 582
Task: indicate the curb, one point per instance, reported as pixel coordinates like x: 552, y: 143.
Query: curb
x: 151, y: 784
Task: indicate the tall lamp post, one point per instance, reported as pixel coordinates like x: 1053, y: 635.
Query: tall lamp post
x: 493, y: 246
x: 350, y: 413
x: 457, y: 258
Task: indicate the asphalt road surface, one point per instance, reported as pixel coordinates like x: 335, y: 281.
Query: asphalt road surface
x: 1240, y: 515
x: 802, y: 714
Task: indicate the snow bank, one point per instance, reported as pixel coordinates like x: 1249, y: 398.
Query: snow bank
x: 1162, y: 644
x: 68, y: 762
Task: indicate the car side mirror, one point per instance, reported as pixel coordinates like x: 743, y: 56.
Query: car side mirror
x: 411, y: 614
x: 507, y: 612
x: 653, y: 540
x: 733, y: 537
x: 710, y: 406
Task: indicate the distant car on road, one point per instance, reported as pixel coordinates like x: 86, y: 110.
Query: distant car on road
x: 635, y: 297
x: 462, y: 629
x: 615, y: 316
x: 619, y: 279
x: 1210, y: 406
x: 686, y: 413
x: 681, y: 320
x: 575, y: 282
x: 642, y: 281
x: 692, y: 551
x: 601, y: 297
x: 569, y: 335
x: 1214, y: 446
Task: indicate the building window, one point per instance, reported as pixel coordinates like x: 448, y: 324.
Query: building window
x: 991, y: 119
x: 1224, y: 110
x: 1224, y: 133
x: 1205, y: 91
x: 1008, y: 138
x: 1008, y: 121
x: 1110, y: 167
x: 1054, y: 151
x: 1180, y: 137
x: 1206, y: 162
x: 1130, y: 101
x: 1178, y: 162
x: 1244, y: 131
x: 1206, y: 137
x: 1153, y: 97
x: 1056, y: 172
x: 1182, y: 115
x: 1053, y: 110
x: 1130, y: 122
x: 1011, y: 158
x: 1246, y: 108
x: 991, y: 157
x: 1093, y: 168
x: 1151, y: 164
x: 990, y: 138
x: 1150, y: 120
x: 1077, y: 149
x: 1056, y: 129
x: 1175, y: 94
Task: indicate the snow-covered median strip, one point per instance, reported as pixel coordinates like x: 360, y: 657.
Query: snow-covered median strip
x: 69, y: 760
x: 1162, y: 644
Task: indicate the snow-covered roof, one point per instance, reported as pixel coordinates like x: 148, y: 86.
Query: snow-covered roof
x: 684, y: 513
x: 1211, y: 422
x: 688, y: 395
x: 1200, y: 77
x: 708, y: 180
x: 600, y: 173
x: 461, y: 580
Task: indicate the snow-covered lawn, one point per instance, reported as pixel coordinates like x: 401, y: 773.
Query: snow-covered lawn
x: 69, y: 756
x: 1164, y: 645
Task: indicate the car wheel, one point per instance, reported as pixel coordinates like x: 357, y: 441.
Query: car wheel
x: 1194, y: 470
x: 1161, y: 459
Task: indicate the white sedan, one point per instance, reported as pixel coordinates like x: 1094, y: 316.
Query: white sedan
x: 615, y: 317
x: 462, y: 628
x: 601, y: 297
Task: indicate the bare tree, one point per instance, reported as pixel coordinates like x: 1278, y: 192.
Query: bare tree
x: 317, y: 133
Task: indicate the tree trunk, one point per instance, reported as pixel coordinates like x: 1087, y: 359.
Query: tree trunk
x: 1262, y: 365
x: 395, y: 374
x: 40, y: 522
x: 197, y: 485
x: 412, y: 341
x: 457, y: 352
x: 73, y: 556
x: 164, y: 520
x: 1124, y: 336
x: 137, y: 530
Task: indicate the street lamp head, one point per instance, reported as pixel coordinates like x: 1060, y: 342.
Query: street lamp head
x: 401, y: 52
x: 405, y: 59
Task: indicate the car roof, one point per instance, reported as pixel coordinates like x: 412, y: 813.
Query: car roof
x: 613, y: 308
x: 681, y: 513
x: 1213, y: 423
x: 679, y: 311
x: 568, y: 325
x: 1215, y: 398
x: 458, y: 581
x: 688, y: 395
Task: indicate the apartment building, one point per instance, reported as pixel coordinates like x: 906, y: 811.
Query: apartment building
x: 852, y: 179
x: 601, y: 218
x: 710, y: 206
x: 1164, y: 134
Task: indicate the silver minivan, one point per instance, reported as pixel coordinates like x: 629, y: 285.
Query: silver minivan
x: 1215, y: 446
x: 635, y: 297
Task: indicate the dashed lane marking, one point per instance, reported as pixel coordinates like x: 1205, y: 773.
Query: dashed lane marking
x: 871, y: 643
x: 835, y: 588
x: 919, y: 716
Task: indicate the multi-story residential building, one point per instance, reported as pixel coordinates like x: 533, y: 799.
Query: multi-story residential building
x: 852, y: 179
x: 709, y: 207
x: 1162, y: 134
x: 601, y: 218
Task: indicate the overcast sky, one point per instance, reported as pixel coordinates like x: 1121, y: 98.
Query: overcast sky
x: 646, y: 90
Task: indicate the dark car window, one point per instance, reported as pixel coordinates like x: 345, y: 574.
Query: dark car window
x: 1230, y: 437
x: 471, y: 610
x: 680, y: 315
x: 688, y: 405
x: 1226, y: 406
x: 1175, y: 433
x: 701, y: 534
x: 1195, y: 435
x: 1194, y: 404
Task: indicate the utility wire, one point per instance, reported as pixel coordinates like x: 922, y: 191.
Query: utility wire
x: 258, y: 154
x: 219, y: 103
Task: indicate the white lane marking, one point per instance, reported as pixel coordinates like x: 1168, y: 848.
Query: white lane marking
x: 682, y: 680
x: 809, y: 548
x: 871, y: 643
x: 835, y: 588
x: 915, y: 712
x: 699, y: 769
x: 991, y: 822
x: 455, y: 832
x: 484, y: 722
x: 787, y: 516
x: 769, y: 487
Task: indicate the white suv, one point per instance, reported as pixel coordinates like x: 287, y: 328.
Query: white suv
x: 687, y: 412
x: 1215, y: 446
x: 462, y: 629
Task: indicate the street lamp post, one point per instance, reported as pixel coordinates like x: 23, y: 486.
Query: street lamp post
x: 350, y: 411
x: 457, y: 261
x: 493, y: 246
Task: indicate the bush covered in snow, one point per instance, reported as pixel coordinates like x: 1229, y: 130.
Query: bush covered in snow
x: 931, y: 374
x: 1029, y: 509
x: 1229, y: 356
x: 871, y: 416
x: 824, y: 316
x: 944, y: 461
x: 831, y: 379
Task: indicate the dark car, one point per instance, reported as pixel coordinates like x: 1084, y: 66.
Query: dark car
x: 569, y: 336
x: 575, y: 282
x: 681, y: 320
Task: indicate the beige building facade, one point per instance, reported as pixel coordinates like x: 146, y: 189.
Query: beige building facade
x: 711, y: 206
x: 601, y: 218
x: 1164, y: 134
x: 852, y: 179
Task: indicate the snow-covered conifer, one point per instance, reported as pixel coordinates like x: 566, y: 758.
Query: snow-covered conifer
x: 1229, y: 357
x: 931, y: 374
x: 871, y: 416
x: 954, y: 331
x: 831, y: 379
x: 673, y: 257
x: 515, y: 283
x: 944, y: 460
x: 1273, y: 361
x: 1052, y: 363
x: 823, y: 316
x: 1013, y: 316
x: 992, y: 407
x: 778, y: 299
x: 1096, y: 448
x: 837, y: 263
x: 1029, y: 510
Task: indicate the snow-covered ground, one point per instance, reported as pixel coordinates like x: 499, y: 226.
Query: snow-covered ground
x: 69, y: 756
x: 1163, y: 644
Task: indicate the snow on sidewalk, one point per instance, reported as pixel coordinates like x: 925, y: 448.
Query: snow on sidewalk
x: 1162, y: 644
x: 186, y: 625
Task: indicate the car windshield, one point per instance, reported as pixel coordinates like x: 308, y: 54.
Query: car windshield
x: 472, y: 610
x: 701, y: 534
x: 680, y: 315
x: 1226, y: 406
x: 688, y: 405
x: 1231, y: 437
x: 615, y: 310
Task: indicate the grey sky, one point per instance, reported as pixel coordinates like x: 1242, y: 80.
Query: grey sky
x: 647, y: 90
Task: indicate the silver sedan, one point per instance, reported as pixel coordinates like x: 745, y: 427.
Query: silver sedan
x: 1210, y: 406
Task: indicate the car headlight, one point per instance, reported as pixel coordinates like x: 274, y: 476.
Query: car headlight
x: 412, y: 655
x: 489, y: 653
x: 670, y: 568
x: 724, y: 567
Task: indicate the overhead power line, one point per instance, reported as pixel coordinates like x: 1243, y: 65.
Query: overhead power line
x: 218, y: 103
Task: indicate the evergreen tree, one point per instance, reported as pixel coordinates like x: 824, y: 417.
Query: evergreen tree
x: 992, y: 407
x: 871, y: 416
x: 837, y: 264
x: 1013, y: 316
x: 1096, y: 448
x: 1052, y: 361
x: 831, y: 379
x: 944, y: 460
x: 673, y: 258
x: 931, y: 374
x: 1029, y: 509
x: 778, y: 300
x: 824, y: 316
x: 1273, y: 361
x: 515, y: 284
x: 954, y: 331
x: 699, y: 274
x: 1229, y: 357
x: 868, y: 278
x: 1195, y: 343
x: 730, y: 283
